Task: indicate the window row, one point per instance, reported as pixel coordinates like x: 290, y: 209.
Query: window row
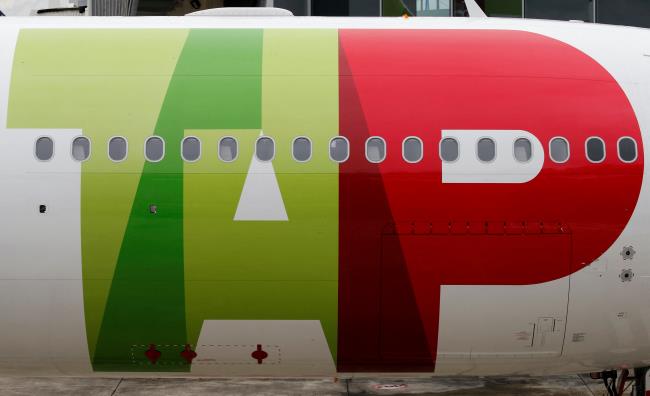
x: 595, y: 149
x: 339, y: 149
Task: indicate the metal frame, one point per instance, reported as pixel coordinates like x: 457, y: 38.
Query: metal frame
x: 604, y: 149
x: 457, y: 147
x: 514, y: 146
x: 164, y: 147
x: 275, y: 149
x: 219, y: 148
x: 404, y: 151
x: 126, y: 150
x: 200, y: 148
x: 568, y: 149
x: 496, y: 149
x: 311, y: 149
x: 51, y: 139
x: 385, y: 149
x: 329, y: 149
x: 90, y: 148
x: 636, y: 149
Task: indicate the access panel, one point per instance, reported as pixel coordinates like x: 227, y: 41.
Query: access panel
x: 450, y: 296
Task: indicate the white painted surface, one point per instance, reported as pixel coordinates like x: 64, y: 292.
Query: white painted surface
x: 293, y: 346
x: 261, y: 198
x: 42, y: 325
x: 503, y: 169
x: 488, y: 329
x: 41, y: 304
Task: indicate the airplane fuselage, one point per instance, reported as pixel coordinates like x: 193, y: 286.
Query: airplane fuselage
x: 305, y: 196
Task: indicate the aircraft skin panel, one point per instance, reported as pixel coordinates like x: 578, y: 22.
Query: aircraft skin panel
x: 606, y: 318
x: 85, y: 84
x: 50, y: 289
x: 370, y: 267
x: 503, y: 332
x: 271, y: 270
x: 504, y: 169
x: 425, y: 80
x: 298, y: 346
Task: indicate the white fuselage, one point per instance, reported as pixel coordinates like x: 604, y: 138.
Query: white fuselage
x: 605, y: 320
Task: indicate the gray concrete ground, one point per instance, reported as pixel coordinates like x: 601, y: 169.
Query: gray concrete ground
x: 528, y: 386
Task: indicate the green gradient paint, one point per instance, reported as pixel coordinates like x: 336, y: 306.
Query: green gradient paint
x: 216, y: 84
x: 105, y: 83
x: 271, y: 269
x: 155, y: 278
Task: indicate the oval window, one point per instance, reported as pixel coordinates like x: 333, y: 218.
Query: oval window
x: 339, y: 149
x: 486, y: 149
x: 44, y: 148
x: 301, y: 149
x: 627, y: 149
x: 412, y: 150
x: 449, y: 149
x: 559, y: 148
x: 117, y: 149
x: 523, y: 150
x: 191, y: 149
x: 80, y: 149
x: 154, y: 149
x: 265, y: 149
x: 228, y: 149
x: 375, y: 149
x: 595, y: 148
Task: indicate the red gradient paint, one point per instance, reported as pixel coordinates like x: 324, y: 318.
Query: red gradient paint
x: 403, y: 233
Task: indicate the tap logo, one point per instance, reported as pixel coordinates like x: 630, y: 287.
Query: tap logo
x: 470, y: 222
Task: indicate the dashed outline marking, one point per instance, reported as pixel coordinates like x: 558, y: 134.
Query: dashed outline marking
x: 198, y: 362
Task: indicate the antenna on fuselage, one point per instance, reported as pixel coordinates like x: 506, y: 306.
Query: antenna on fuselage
x: 474, y: 10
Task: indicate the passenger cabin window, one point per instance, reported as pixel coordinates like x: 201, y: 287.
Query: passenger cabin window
x: 627, y: 151
x: 449, y: 149
x: 228, y: 149
x: 595, y: 148
x: 339, y: 149
x: 81, y: 149
x: 44, y: 148
x: 486, y: 149
x: 191, y: 149
x: 375, y: 149
x: 523, y: 150
x: 412, y: 150
x: 117, y: 149
x: 154, y: 149
x: 301, y: 149
x: 559, y: 149
x: 265, y: 149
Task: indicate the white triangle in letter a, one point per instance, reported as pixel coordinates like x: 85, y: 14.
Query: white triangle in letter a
x: 261, y: 199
